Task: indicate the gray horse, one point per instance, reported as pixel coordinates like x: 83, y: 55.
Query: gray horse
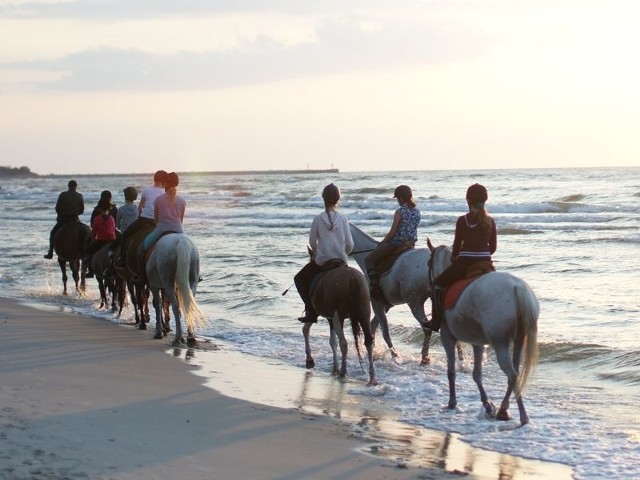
x: 500, y: 310
x: 407, y: 282
x: 173, y: 267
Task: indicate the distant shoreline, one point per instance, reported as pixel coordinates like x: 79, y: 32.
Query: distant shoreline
x: 234, y: 172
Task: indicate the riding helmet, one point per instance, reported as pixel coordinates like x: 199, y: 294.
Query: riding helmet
x: 106, y: 194
x: 403, y: 191
x: 331, y: 193
x: 476, y: 193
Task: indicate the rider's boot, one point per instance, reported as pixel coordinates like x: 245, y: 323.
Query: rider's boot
x: 49, y: 255
x: 87, y: 261
x: 310, y: 315
x: 375, y: 292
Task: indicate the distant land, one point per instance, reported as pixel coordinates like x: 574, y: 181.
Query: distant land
x: 21, y: 172
x: 25, y: 172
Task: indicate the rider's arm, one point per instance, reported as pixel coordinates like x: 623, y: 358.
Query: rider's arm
x: 397, y: 218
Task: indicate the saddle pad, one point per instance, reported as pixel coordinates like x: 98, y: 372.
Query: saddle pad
x: 453, y: 291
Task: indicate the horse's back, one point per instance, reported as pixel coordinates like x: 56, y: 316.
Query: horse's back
x: 408, y: 278
x: 339, y: 289
x: 490, y: 307
x: 171, y: 252
x: 71, y: 240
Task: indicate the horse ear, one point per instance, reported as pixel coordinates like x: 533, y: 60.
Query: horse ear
x: 430, y: 245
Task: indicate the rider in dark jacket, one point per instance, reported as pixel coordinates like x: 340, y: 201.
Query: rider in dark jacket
x: 69, y: 207
x: 475, y: 240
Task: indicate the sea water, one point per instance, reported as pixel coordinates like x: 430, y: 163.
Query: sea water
x: 572, y: 234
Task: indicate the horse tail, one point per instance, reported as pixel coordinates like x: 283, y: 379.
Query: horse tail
x: 528, y: 310
x: 187, y: 301
x: 357, y: 314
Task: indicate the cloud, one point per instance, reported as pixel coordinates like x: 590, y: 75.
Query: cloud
x: 341, y: 46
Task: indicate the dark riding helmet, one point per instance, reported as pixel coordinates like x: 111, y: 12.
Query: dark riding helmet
x: 106, y: 194
x: 160, y: 176
x: 403, y: 191
x: 130, y: 194
x: 171, y: 180
x: 331, y: 193
x: 477, y: 194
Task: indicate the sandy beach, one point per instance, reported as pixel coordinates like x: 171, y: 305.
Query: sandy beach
x: 83, y: 398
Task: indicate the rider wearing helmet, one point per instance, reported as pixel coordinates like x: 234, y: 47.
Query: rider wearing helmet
x: 329, y: 239
x: 475, y: 240
x: 402, y: 234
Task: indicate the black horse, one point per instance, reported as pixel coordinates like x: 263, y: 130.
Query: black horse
x: 70, y: 244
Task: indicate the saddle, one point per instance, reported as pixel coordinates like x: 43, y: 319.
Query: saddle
x: 328, y: 266
x: 453, y: 291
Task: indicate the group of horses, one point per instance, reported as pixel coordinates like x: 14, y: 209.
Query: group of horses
x: 171, y: 277
x: 498, y: 309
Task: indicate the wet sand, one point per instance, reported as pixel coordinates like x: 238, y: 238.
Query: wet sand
x: 82, y: 398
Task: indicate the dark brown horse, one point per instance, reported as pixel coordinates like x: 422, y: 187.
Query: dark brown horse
x: 70, y: 243
x: 343, y: 293
x: 108, y: 285
x: 139, y: 292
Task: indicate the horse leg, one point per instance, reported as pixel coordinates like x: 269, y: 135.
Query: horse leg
x: 417, y: 309
x: 75, y: 269
x: 449, y: 344
x: 333, y: 342
x: 155, y: 293
x: 178, y: 339
x: 310, y: 363
x: 489, y: 407
x: 338, y: 327
x: 63, y: 270
x: 365, y: 327
x: 510, y: 368
x: 166, y: 315
x: 380, y: 312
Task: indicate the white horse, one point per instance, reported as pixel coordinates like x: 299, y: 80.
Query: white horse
x: 407, y: 282
x: 174, y: 268
x: 500, y: 310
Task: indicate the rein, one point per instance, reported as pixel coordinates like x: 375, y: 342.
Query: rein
x: 362, y: 251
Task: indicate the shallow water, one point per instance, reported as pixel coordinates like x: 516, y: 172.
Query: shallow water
x: 572, y: 234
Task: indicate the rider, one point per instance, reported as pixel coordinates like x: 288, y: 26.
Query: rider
x: 113, y: 210
x: 69, y: 207
x: 103, y: 231
x: 146, y: 211
x: 329, y: 239
x: 128, y: 213
x: 475, y: 240
x: 402, y: 234
x: 168, y: 213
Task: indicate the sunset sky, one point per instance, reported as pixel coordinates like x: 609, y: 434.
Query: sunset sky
x: 131, y: 86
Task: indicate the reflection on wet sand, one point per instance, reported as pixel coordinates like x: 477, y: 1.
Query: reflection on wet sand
x: 272, y: 383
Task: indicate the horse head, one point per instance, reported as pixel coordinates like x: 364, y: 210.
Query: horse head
x: 439, y: 260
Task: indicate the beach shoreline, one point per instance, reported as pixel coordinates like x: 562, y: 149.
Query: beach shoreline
x: 88, y: 398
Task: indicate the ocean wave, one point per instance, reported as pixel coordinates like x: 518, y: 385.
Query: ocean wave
x: 517, y: 231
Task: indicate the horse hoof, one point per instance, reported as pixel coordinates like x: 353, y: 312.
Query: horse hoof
x: 426, y: 360
x: 158, y: 336
x: 310, y: 363
x: 490, y: 410
x: 191, y: 342
x: 142, y: 326
x: 503, y: 415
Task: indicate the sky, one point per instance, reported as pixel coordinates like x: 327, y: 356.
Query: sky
x: 132, y: 86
